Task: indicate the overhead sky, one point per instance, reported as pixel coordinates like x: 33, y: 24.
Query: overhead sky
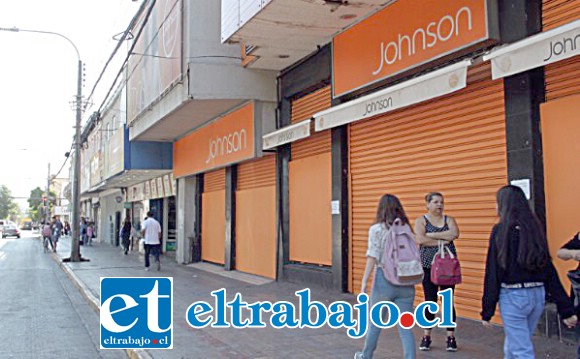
x: 38, y: 77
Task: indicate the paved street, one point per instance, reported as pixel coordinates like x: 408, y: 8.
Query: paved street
x: 42, y: 314
x: 192, y: 284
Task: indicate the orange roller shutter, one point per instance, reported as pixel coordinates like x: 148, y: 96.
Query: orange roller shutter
x: 310, y: 185
x: 256, y: 217
x: 454, y: 144
x: 213, y: 217
x: 562, y: 78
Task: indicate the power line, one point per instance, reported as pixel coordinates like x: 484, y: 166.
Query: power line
x: 119, y: 43
x: 149, y: 11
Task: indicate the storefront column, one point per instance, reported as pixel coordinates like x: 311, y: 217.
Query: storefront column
x: 283, y: 191
x: 231, y: 182
x: 340, y: 220
x: 524, y: 93
x: 187, y: 209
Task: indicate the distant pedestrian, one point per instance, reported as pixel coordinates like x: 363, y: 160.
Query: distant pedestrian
x: 90, y: 233
x: 83, y: 230
x: 518, y: 273
x: 66, y: 228
x: 47, y: 235
x: 431, y: 229
x: 125, y: 235
x: 56, y: 231
x: 151, y: 232
x: 389, y: 209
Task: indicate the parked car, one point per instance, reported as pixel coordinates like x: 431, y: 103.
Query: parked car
x: 10, y: 231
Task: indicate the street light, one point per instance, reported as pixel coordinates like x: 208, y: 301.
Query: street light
x: 75, y: 255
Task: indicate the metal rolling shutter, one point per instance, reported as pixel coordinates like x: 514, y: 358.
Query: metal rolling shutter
x: 213, y: 216
x: 454, y: 144
x: 311, y: 185
x: 302, y: 109
x: 562, y: 78
x: 256, y: 217
x: 258, y: 173
x: 214, y: 181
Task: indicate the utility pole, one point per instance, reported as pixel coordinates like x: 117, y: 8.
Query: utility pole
x: 46, y: 205
x: 75, y: 255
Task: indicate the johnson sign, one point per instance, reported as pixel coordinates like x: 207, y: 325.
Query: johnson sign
x: 228, y: 140
x: 401, y: 37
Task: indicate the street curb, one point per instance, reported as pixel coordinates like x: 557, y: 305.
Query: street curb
x: 94, y: 303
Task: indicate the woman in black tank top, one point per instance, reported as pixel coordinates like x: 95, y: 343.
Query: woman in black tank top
x: 429, y: 230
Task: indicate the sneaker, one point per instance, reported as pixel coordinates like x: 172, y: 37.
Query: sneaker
x: 146, y: 269
x: 451, y: 344
x: 426, y: 343
x: 158, y: 266
x: 358, y: 355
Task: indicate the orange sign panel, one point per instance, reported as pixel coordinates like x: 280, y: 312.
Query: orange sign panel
x: 225, y: 141
x: 404, y: 35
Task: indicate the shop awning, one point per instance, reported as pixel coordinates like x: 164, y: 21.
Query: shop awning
x: 434, y: 84
x: 539, y: 50
x: 286, y: 134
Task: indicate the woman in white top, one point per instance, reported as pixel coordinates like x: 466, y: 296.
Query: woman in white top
x: 388, y: 210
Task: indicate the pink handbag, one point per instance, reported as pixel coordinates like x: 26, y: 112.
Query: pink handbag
x: 445, y: 269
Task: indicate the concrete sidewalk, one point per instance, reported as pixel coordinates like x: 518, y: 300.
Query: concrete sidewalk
x: 192, y: 284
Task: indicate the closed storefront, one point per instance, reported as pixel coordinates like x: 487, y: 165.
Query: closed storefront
x: 562, y: 78
x: 256, y: 217
x: 453, y: 144
x: 560, y: 123
x: 310, y: 186
x: 213, y: 217
x: 411, y: 132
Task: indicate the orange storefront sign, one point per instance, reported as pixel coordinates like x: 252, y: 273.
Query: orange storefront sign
x: 226, y: 141
x: 405, y: 35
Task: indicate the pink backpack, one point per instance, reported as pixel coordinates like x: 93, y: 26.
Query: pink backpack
x: 46, y: 231
x: 401, y: 260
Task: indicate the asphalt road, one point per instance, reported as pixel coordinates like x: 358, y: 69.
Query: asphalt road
x: 42, y: 315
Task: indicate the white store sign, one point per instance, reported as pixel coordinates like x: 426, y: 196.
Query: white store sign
x: 287, y: 134
x: 434, y: 84
x: 535, y: 51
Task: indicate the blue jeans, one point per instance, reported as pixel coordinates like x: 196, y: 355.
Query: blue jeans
x: 403, y: 297
x: 520, y: 311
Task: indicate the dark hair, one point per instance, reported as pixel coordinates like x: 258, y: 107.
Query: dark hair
x: 389, y: 209
x: 515, y: 214
x: 430, y: 195
x: 150, y: 214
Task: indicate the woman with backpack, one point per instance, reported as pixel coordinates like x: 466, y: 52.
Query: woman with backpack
x: 518, y: 273
x: 431, y: 229
x: 388, y: 211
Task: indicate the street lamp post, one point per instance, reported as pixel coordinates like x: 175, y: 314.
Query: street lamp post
x: 75, y: 255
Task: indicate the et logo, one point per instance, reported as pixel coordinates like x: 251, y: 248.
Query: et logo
x: 136, y: 313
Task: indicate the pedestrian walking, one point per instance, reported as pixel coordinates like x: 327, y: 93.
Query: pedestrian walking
x: 518, y: 273
x: 431, y: 229
x: 571, y: 251
x: 56, y: 231
x: 151, y: 232
x: 90, y: 233
x: 83, y: 230
x: 389, y: 209
x: 66, y: 228
x: 46, y: 235
x: 125, y: 235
